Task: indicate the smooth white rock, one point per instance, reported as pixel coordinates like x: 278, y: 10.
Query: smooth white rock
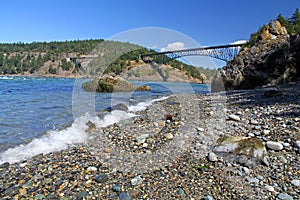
x: 145, y: 145
x: 254, y: 122
x: 136, y: 180
x: 251, y: 134
x: 200, y: 129
x: 246, y: 170
x: 23, y: 164
x: 212, y: 157
x: 234, y: 117
x: 92, y: 169
x: 285, y: 144
x: 277, y: 146
x: 269, y: 188
x: 169, y: 136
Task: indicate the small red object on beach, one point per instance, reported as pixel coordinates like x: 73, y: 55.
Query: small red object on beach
x: 169, y: 117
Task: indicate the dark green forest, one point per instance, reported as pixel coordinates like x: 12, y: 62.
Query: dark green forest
x: 18, y: 58
x: 80, y: 46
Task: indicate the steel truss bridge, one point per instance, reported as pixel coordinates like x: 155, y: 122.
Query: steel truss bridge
x: 223, y: 52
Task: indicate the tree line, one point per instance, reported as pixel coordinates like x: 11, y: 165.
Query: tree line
x: 80, y: 46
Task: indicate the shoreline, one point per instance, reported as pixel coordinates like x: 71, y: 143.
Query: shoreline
x: 87, y: 77
x: 40, y: 76
x: 112, y: 165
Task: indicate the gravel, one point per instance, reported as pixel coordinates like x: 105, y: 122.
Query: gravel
x: 115, y: 163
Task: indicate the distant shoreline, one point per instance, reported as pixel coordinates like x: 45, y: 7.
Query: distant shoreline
x: 86, y: 77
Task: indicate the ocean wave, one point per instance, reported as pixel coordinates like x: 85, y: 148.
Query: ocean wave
x: 75, y: 134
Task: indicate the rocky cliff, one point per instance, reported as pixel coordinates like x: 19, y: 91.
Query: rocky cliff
x: 154, y: 72
x: 273, y: 59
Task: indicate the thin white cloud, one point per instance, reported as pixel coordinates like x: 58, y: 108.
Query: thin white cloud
x: 173, y: 46
x: 240, y: 42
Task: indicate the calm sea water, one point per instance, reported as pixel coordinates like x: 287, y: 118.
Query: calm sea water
x: 40, y: 115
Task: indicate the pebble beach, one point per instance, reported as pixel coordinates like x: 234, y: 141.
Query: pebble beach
x: 166, y: 152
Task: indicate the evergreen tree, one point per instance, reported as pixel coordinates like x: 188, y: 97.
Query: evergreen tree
x: 1, y: 60
x: 65, y: 65
x: 283, y: 21
x: 295, y: 22
x: 52, y: 70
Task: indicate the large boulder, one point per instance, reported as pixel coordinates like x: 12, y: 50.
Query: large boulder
x: 111, y: 84
x: 243, y: 150
x: 274, y: 59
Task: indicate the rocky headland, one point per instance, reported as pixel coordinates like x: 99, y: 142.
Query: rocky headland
x: 274, y: 59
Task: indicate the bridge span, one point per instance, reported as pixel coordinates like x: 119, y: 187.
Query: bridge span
x: 222, y: 52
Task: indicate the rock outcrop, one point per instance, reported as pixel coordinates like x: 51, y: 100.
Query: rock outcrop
x: 160, y: 73
x: 111, y: 84
x: 274, y: 59
x: 246, y: 151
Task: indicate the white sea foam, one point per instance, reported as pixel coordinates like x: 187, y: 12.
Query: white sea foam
x: 114, y: 117
x: 75, y: 134
x: 143, y: 105
x: 53, y: 141
x: 6, y: 78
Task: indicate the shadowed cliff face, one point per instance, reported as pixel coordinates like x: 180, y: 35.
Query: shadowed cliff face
x: 273, y: 60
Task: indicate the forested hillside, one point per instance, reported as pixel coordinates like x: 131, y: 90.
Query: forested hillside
x: 80, y: 58
x: 19, y: 58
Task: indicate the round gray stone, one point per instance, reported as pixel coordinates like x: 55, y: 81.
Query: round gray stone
x: 284, y: 196
x: 252, y: 180
x: 125, y: 196
x: 212, y: 157
x: 101, y: 178
x: 136, y: 180
x: 296, y: 182
x: 277, y: 146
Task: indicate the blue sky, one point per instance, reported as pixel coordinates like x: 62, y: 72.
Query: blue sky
x: 175, y: 23
x: 209, y: 22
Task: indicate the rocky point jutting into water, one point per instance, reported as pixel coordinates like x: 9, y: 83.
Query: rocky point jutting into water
x: 274, y: 59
